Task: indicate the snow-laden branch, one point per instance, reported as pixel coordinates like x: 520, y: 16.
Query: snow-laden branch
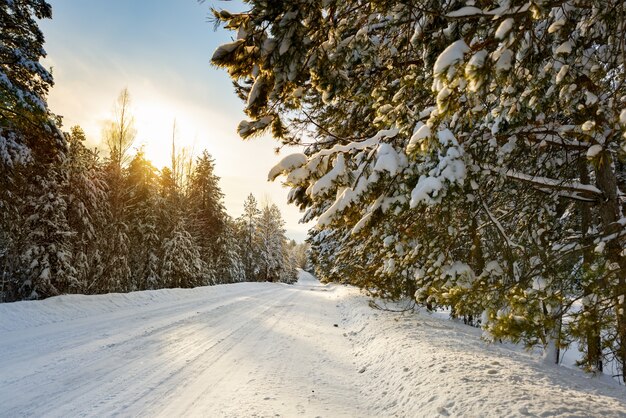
x: 577, y: 191
x: 356, y: 146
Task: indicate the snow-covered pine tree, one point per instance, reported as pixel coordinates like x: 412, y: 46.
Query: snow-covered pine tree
x: 289, y: 273
x: 27, y: 127
x: 248, y: 232
x: 270, y: 244
x: 275, y: 261
x: 118, y: 136
x: 182, y: 264
x: 169, y: 206
x: 459, y: 144
x: 87, y: 208
x: 231, y: 254
x: 46, y: 268
x: 208, y: 217
x: 30, y: 143
x: 144, y: 258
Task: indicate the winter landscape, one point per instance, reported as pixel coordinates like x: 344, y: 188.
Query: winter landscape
x: 313, y: 208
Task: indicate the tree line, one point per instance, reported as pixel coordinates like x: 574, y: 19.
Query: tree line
x: 469, y: 155
x: 72, y: 221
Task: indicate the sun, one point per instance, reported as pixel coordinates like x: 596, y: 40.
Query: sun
x: 158, y: 123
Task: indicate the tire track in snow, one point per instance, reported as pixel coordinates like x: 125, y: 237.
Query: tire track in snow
x: 212, y: 373
x: 242, y: 350
x: 95, y: 359
x: 282, y: 368
x: 52, y: 331
x: 202, y: 357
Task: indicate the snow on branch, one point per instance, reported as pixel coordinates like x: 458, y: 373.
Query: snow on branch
x: 357, y: 146
x: 450, y: 56
x: 287, y: 164
x: 577, y: 191
x: 501, y: 11
x: 225, y: 50
x: 466, y: 11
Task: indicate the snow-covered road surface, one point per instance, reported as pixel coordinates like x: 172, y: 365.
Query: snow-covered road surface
x: 260, y: 349
x: 239, y: 350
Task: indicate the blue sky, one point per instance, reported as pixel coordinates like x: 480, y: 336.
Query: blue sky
x: 160, y: 50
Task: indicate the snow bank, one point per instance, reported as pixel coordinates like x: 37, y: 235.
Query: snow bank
x: 427, y: 366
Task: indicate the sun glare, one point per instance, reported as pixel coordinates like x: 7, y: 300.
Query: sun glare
x: 156, y: 123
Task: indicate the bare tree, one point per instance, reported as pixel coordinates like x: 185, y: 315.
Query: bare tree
x: 182, y: 161
x: 119, y: 133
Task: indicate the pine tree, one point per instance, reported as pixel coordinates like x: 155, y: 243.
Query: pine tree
x: 87, y: 208
x: 141, y: 183
x: 169, y: 206
x: 118, y: 136
x: 182, y: 264
x: 231, y: 255
x: 46, y: 262
x: 249, y: 237
x: 455, y: 147
x: 30, y: 144
x: 208, y: 217
x: 27, y: 129
x: 290, y: 264
x: 276, y: 263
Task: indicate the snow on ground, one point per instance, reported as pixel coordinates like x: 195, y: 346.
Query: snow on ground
x: 250, y: 349
x: 261, y: 349
x: 426, y: 366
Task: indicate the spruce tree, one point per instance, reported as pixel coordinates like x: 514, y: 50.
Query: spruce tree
x: 87, y: 209
x: 27, y: 128
x: 141, y: 184
x: 276, y: 262
x: 249, y: 236
x: 31, y: 145
x: 208, y: 217
x: 46, y: 260
x: 182, y: 264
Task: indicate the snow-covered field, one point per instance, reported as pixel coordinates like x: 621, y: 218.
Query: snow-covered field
x: 261, y: 349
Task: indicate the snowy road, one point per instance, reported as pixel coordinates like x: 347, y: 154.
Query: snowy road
x: 267, y: 350
x: 248, y: 350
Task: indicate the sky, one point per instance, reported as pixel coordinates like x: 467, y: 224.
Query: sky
x: 160, y: 50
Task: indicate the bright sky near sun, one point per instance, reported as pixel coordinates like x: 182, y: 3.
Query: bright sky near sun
x: 160, y: 50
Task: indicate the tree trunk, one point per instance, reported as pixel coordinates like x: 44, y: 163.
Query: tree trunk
x: 610, y: 212
x: 593, y: 357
